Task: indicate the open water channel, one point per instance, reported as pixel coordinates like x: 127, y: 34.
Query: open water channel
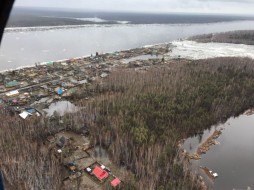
x: 232, y: 159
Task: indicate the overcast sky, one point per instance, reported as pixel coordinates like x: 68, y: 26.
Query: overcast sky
x: 186, y: 6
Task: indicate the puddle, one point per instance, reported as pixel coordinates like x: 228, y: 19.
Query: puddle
x: 61, y: 107
x: 232, y: 159
x: 141, y: 57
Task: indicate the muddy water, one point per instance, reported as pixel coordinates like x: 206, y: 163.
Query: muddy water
x: 232, y: 159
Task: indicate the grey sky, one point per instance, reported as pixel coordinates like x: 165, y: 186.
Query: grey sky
x: 188, y: 6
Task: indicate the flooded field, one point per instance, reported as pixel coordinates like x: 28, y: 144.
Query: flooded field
x: 232, y: 158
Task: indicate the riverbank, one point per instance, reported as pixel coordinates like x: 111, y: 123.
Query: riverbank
x: 235, y: 37
x: 205, y: 146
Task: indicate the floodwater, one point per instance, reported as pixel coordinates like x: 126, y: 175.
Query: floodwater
x: 195, y: 50
x: 142, y: 57
x: 61, y: 108
x: 232, y: 159
x: 25, y: 48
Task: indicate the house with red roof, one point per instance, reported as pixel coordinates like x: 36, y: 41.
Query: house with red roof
x: 100, y: 173
x: 116, y: 182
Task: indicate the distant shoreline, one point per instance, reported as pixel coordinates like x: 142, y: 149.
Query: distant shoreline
x: 236, y: 37
x: 33, y: 17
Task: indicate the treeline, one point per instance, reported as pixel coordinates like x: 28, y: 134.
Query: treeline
x: 236, y: 37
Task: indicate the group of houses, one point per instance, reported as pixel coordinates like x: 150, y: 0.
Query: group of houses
x: 77, y: 156
x: 29, y: 91
x: 102, y: 174
x: 37, y: 87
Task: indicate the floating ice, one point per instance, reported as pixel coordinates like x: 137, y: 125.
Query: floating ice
x: 193, y: 50
x: 123, y: 22
x: 94, y: 19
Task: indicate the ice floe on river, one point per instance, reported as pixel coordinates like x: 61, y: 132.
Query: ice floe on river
x: 193, y: 50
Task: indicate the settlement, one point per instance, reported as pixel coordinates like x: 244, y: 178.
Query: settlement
x: 28, y: 92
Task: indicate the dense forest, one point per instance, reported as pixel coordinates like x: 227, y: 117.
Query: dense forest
x: 139, y: 116
x: 236, y: 37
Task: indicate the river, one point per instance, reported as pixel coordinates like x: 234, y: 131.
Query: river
x: 232, y: 159
x: 24, y: 47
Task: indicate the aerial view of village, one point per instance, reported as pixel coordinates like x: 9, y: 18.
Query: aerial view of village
x: 127, y: 96
x: 37, y: 91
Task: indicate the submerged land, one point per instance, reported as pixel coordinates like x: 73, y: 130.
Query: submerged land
x: 136, y: 105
